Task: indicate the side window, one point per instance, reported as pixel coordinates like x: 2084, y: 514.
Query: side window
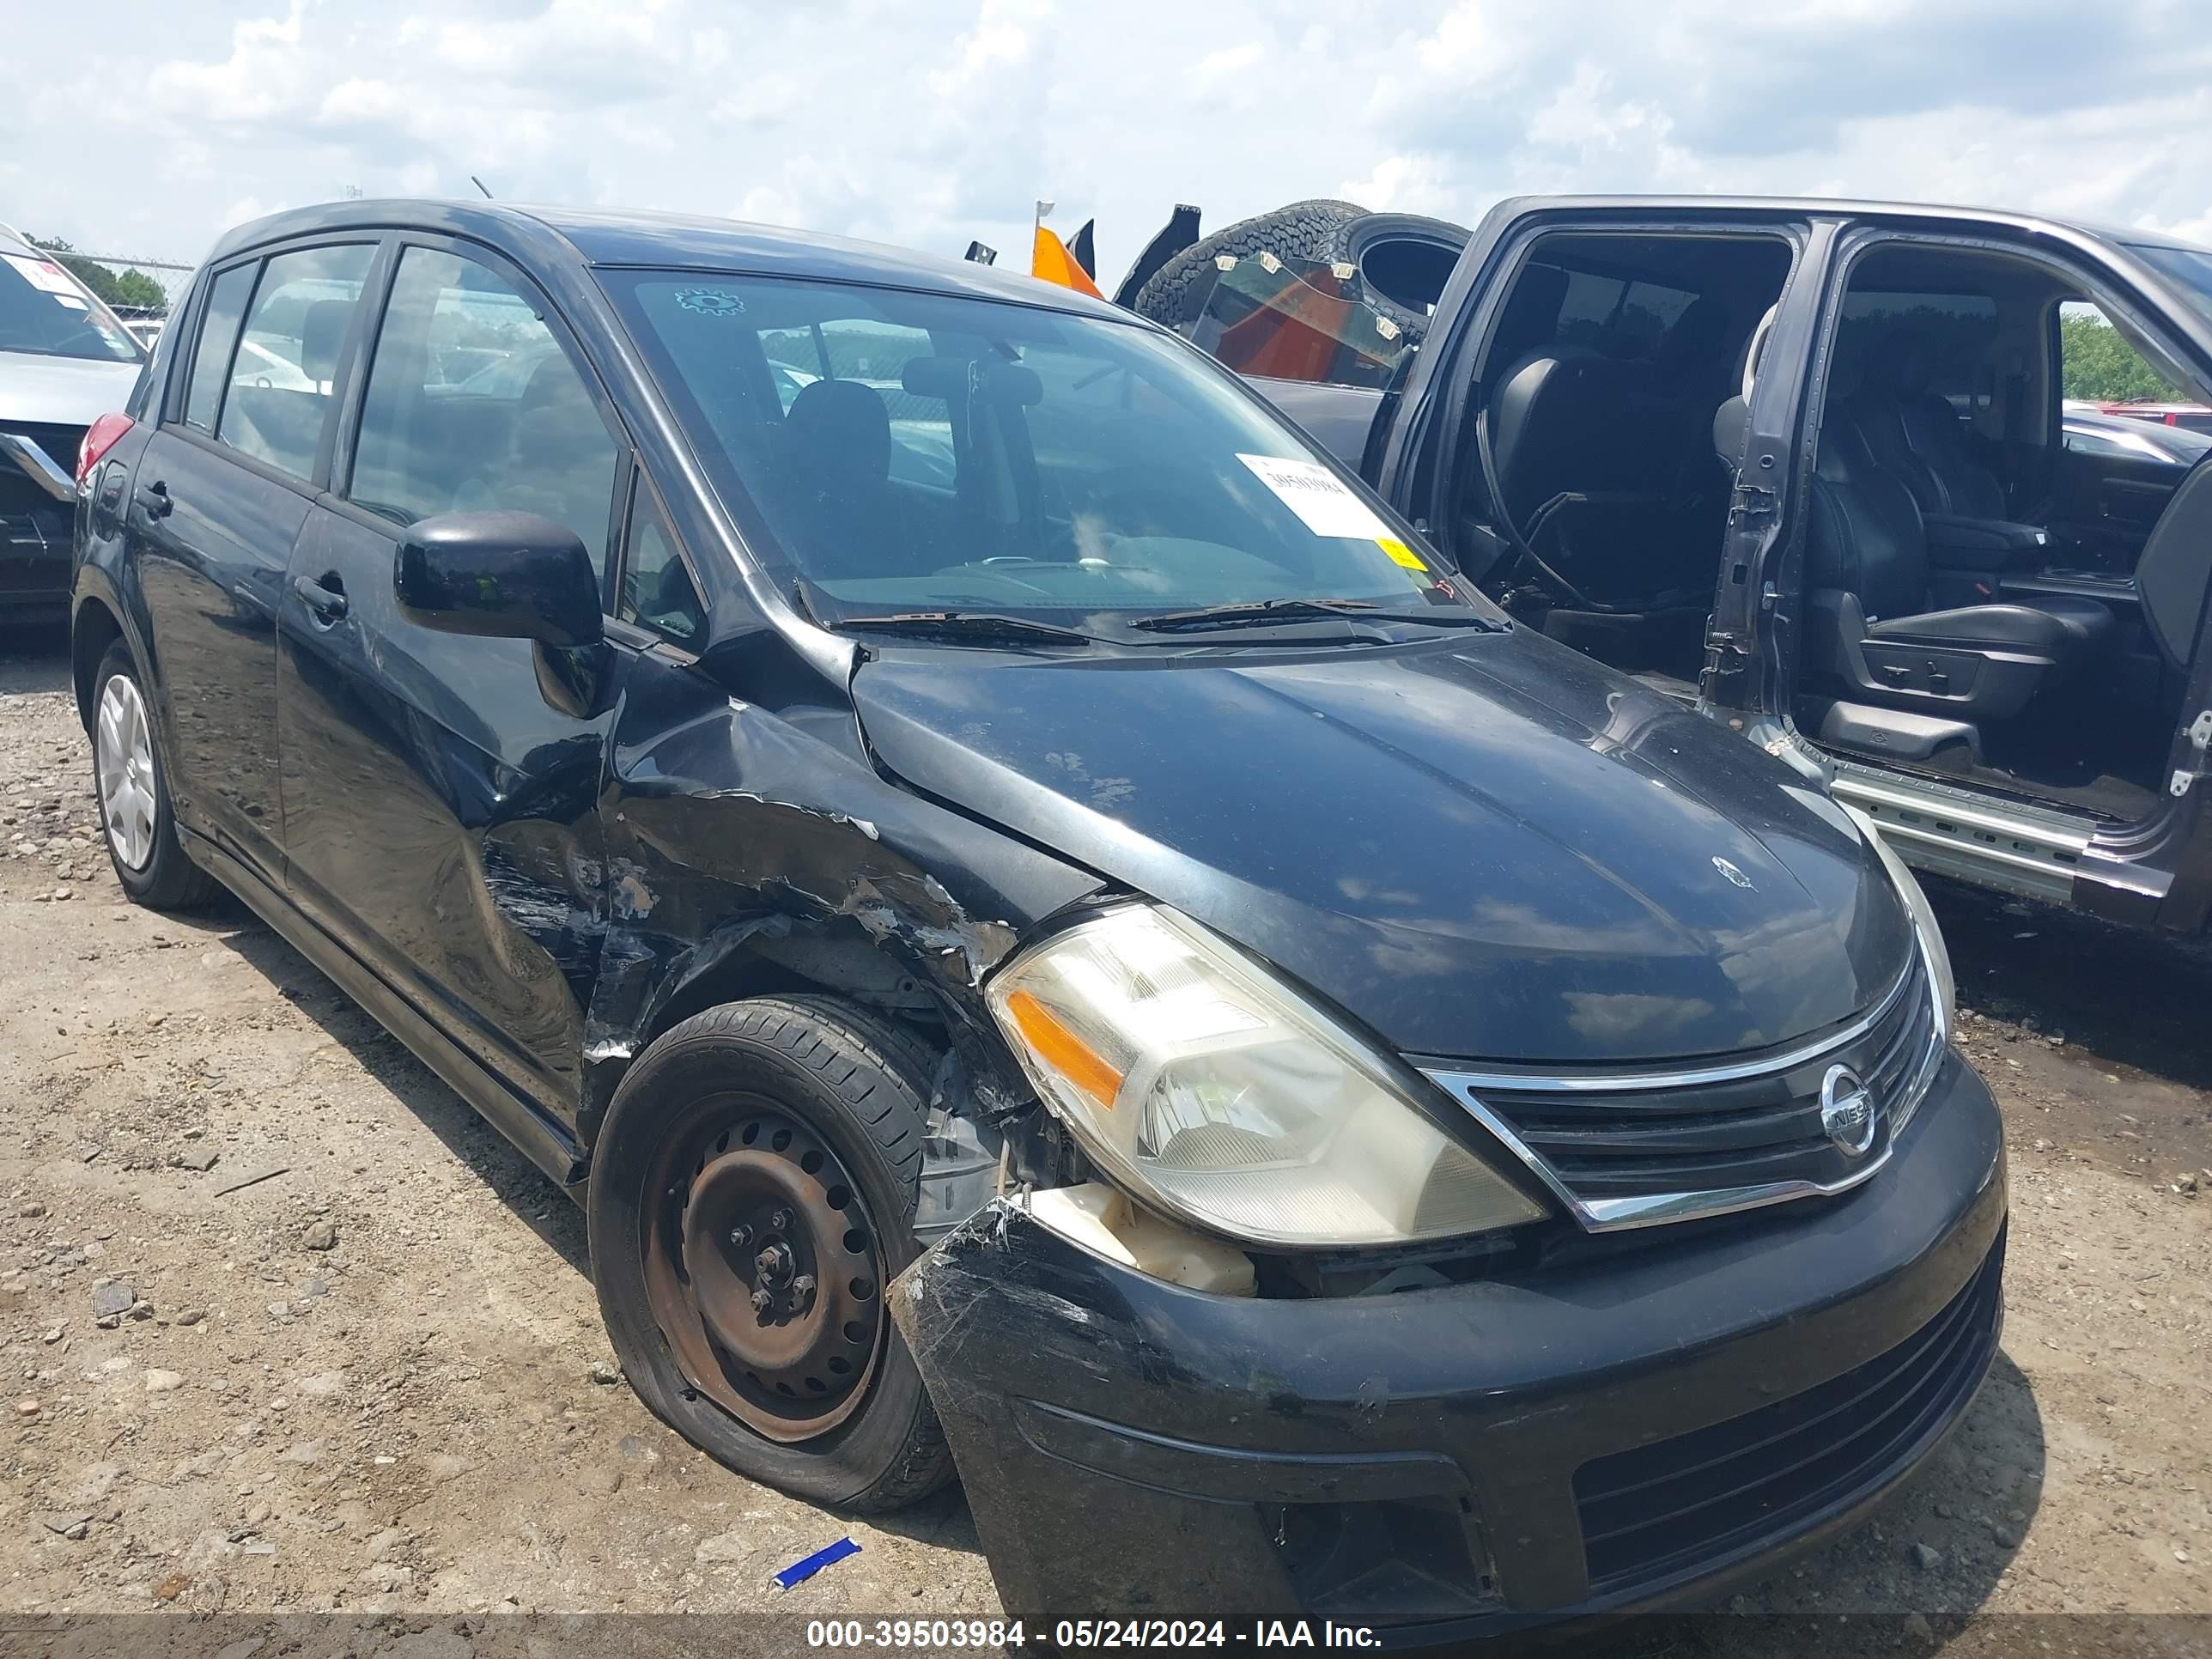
x: 472, y: 404
x: 288, y: 354
x: 219, y: 321
x: 2097, y: 364
x: 656, y: 588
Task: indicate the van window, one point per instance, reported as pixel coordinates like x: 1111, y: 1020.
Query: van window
x: 1952, y: 332
x: 472, y: 404
x: 2097, y: 364
x: 219, y: 321
x: 1624, y: 316
x: 288, y: 354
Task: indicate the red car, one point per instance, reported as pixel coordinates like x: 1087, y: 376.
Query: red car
x: 2196, y: 417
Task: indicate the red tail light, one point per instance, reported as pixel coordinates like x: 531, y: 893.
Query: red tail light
x: 99, y: 438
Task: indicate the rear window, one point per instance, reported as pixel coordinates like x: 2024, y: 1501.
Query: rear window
x: 47, y: 312
x: 1624, y: 317
x: 219, y: 320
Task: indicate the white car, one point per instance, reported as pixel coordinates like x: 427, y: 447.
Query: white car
x: 65, y: 360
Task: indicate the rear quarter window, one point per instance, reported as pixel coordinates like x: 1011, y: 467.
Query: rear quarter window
x: 218, y: 335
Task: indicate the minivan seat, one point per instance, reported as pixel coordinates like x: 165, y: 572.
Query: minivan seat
x: 1585, y: 468
x: 2175, y: 569
x: 1868, y: 621
x: 1916, y: 433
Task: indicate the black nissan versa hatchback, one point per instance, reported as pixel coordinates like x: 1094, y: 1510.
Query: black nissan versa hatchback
x: 1051, y: 933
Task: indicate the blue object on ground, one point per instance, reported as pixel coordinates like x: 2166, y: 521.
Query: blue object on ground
x: 799, y: 1572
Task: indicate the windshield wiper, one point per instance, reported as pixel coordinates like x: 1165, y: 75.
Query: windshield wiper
x: 968, y: 625
x: 1262, y: 612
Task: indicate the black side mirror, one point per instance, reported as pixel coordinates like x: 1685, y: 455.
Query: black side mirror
x: 499, y: 575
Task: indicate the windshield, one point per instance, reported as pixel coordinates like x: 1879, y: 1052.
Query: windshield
x: 2190, y: 269
x: 913, y: 453
x: 44, y: 310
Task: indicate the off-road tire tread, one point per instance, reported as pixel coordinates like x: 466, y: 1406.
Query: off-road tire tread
x: 1312, y: 229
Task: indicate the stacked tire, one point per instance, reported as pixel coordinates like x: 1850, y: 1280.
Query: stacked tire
x: 1402, y: 259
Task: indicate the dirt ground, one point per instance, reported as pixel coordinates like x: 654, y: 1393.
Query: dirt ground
x: 290, y: 1330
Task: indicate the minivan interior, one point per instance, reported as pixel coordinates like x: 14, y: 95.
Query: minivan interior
x: 1588, y: 498
x: 1998, y: 589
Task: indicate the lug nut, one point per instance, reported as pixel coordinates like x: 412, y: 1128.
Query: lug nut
x: 780, y: 1221
x: 762, y: 1302
x: 740, y: 1237
x: 803, y: 1285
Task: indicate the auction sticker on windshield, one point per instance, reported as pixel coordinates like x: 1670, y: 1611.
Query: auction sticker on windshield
x: 1320, y: 499
x: 42, y: 274
x: 1318, y: 496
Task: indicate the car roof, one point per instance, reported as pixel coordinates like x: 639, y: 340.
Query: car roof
x: 619, y: 237
x: 1853, y: 207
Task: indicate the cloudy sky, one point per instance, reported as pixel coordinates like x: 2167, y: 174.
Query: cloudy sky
x: 926, y: 122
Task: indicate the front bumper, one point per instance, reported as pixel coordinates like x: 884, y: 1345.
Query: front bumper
x: 1623, y: 1430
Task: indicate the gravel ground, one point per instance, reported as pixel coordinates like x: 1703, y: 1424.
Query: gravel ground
x: 291, y: 1331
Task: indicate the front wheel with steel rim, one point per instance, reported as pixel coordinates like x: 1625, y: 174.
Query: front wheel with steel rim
x: 132, y: 790
x: 752, y: 1197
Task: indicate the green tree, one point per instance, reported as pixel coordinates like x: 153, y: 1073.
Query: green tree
x: 2099, y: 365
x: 130, y: 288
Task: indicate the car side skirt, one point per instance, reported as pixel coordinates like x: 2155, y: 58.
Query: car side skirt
x: 544, y: 1143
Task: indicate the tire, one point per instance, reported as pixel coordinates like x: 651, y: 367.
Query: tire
x: 687, y: 1206
x: 132, y: 789
x: 1319, y: 232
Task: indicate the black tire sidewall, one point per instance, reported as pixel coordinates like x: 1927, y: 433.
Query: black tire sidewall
x: 703, y: 1055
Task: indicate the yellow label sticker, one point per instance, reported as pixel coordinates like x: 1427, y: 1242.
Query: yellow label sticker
x: 1402, y: 554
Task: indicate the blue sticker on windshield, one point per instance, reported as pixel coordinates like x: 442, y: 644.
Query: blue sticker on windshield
x: 712, y: 301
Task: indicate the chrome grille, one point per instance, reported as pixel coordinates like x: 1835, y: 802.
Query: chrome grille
x: 1629, y: 1151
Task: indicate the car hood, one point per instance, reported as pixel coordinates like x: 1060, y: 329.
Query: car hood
x: 44, y: 390
x: 1488, y: 848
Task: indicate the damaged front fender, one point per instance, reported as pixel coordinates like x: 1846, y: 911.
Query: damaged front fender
x: 733, y: 829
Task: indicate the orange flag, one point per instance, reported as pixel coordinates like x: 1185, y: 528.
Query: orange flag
x: 1053, y: 263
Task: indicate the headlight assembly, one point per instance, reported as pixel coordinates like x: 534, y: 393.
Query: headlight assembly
x: 1212, y: 1091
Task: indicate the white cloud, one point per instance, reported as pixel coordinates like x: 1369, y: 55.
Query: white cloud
x: 929, y: 125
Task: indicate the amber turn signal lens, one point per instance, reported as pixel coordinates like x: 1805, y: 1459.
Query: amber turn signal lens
x: 1065, y: 1052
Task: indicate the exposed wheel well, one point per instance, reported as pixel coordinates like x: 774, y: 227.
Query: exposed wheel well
x: 851, y: 969
x: 92, y: 631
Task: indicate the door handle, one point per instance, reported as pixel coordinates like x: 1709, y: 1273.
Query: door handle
x: 154, y: 500
x: 326, y: 598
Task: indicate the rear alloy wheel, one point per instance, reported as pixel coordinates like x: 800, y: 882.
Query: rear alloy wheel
x: 132, y: 788
x: 752, y: 1197
x: 122, y: 757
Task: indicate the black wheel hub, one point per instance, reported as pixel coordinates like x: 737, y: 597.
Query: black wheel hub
x: 764, y: 1269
